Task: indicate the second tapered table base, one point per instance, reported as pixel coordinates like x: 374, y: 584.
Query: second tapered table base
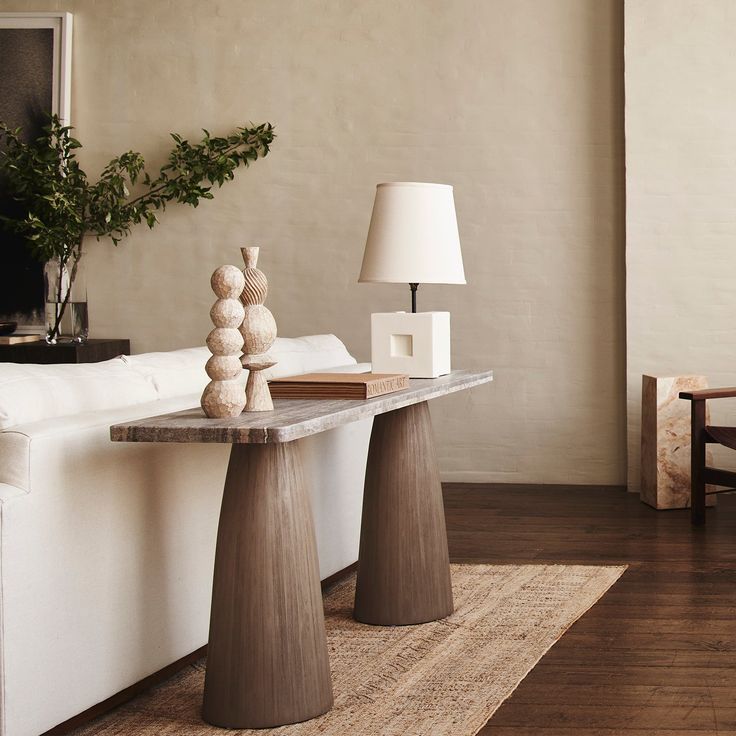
x: 404, y: 566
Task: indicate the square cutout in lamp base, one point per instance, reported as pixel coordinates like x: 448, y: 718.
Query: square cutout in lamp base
x: 413, y: 343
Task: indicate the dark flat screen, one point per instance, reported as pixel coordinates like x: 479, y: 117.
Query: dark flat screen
x: 26, y: 61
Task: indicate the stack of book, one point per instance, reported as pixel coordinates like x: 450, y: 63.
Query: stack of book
x: 337, y: 385
x: 18, y: 338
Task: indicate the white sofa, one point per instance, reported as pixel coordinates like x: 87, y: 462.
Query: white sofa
x: 107, y: 549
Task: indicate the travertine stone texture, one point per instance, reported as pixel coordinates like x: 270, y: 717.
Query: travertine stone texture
x: 680, y: 184
x: 255, y: 288
x: 258, y: 329
x: 227, y: 313
x: 259, y: 333
x: 665, y: 441
x: 257, y: 393
x: 516, y: 103
x: 224, y: 396
x: 223, y: 399
x: 291, y: 419
x: 224, y: 341
x: 227, y: 282
x: 223, y: 367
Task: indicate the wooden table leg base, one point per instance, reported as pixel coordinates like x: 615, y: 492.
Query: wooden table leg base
x: 267, y: 661
x: 404, y: 567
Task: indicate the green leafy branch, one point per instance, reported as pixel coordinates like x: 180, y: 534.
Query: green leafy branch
x: 62, y: 207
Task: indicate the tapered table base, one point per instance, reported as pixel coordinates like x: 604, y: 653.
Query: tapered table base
x: 404, y: 566
x: 267, y: 662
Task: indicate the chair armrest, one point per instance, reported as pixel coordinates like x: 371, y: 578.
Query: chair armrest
x: 709, y: 393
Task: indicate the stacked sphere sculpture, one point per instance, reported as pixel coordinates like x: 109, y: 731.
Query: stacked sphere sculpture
x: 224, y: 396
x: 258, y: 330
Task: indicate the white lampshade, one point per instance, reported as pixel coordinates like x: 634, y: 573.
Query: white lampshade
x: 413, y: 236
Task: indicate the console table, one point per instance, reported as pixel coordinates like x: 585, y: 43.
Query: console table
x: 267, y: 662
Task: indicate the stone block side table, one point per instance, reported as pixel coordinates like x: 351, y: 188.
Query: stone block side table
x: 267, y: 664
x: 665, y: 441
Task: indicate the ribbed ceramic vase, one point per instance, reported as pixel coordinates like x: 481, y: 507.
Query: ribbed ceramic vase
x: 258, y: 331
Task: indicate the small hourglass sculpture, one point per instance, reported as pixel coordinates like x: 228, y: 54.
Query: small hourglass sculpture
x: 224, y: 395
x: 259, y: 333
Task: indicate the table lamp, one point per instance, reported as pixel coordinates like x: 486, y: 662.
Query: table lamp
x: 412, y: 239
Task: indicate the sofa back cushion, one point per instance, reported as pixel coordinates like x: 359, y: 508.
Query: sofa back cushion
x: 178, y: 372
x: 30, y: 393
x: 174, y: 372
x: 307, y: 354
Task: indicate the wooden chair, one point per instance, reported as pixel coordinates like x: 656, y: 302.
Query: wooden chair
x: 701, y: 475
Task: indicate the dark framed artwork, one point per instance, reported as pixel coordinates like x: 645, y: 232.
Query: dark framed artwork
x: 35, y: 58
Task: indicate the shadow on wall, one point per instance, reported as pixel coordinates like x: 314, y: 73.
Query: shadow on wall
x: 607, y: 267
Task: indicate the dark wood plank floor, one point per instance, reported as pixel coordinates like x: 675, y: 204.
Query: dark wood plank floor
x: 657, y: 654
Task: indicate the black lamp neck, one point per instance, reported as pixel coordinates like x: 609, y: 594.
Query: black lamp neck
x: 413, y: 288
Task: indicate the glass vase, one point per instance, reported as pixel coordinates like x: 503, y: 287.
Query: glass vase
x: 66, y: 300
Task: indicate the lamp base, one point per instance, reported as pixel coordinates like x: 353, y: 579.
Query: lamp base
x: 414, y: 343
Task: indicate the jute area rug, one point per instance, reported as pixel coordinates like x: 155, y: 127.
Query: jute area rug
x: 439, y: 679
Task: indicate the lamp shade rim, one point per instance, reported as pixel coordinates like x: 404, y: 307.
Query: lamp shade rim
x: 362, y: 280
x: 413, y: 184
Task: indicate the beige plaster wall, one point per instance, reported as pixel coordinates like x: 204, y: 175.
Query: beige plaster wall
x: 681, y: 198
x: 517, y: 103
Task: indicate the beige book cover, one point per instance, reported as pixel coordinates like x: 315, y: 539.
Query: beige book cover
x: 337, y: 385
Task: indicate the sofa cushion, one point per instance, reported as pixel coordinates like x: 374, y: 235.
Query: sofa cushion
x: 16, y: 443
x: 174, y: 372
x: 178, y: 372
x: 31, y: 393
x: 306, y: 354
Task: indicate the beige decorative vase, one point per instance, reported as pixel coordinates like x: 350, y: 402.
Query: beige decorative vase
x: 258, y: 330
x: 224, y: 396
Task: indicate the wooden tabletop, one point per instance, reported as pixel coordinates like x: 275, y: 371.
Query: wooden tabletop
x: 291, y: 419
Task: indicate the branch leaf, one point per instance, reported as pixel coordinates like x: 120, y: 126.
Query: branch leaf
x: 62, y: 206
